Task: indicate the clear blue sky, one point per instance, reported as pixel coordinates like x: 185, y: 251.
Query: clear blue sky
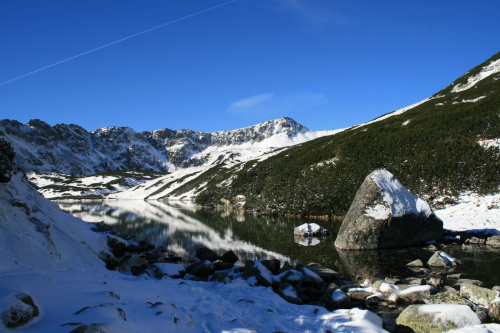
x: 327, y: 64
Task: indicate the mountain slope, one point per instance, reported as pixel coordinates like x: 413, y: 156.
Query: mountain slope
x: 440, y: 147
x: 70, y: 149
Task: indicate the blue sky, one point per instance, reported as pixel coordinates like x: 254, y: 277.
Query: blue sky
x: 327, y: 64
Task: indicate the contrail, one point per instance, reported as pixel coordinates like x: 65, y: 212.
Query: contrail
x: 115, y: 42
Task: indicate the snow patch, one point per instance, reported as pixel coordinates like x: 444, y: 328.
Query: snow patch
x: 489, y: 143
x: 474, y: 100
x: 490, y: 69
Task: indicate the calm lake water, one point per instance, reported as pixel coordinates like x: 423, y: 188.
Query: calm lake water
x: 181, y: 229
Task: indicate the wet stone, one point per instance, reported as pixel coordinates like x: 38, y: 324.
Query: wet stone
x: 327, y: 274
x: 416, y: 263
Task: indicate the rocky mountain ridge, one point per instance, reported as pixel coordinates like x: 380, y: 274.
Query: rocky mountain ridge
x: 70, y: 149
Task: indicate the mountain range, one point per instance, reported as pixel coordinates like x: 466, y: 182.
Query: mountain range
x: 70, y: 149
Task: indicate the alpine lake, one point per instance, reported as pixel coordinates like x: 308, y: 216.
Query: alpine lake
x: 182, y: 228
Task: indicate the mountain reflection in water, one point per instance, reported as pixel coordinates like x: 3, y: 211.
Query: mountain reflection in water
x: 183, y: 228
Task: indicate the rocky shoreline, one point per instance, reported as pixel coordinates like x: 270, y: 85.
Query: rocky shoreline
x: 395, y: 300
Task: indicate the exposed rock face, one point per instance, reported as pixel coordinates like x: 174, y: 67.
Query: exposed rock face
x: 384, y: 214
x: 71, y: 149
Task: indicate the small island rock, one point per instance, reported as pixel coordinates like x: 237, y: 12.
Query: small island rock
x: 310, y: 230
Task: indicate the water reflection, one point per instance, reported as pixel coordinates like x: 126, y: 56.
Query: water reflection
x: 174, y: 228
x: 182, y: 228
x: 307, y: 241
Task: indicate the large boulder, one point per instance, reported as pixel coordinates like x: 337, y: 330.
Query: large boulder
x: 384, y: 214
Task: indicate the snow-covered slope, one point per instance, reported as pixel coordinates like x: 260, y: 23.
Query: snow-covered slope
x: 36, y: 233
x: 70, y: 149
x: 54, y: 258
x: 63, y: 186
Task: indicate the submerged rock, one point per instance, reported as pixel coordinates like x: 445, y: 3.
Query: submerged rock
x: 415, y: 263
x: 384, y: 214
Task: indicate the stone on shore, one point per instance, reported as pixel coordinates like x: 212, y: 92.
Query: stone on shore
x: 442, y: 259
x: 435, y: 318
x: 384, y: 214
x: 478, y: 295
x: 493, y: 241
x: 204, y: 253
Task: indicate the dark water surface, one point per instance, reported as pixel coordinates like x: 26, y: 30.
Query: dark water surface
x: 181, y: 229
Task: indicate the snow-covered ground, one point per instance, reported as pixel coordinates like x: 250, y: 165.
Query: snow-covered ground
x: 472, y: 212
x: 54, y: 257
x: 54, y: 185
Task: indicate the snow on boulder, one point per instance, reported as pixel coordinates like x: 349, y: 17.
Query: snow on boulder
x: 17, y: 310
x: 173, y: 270
x: 340, y: 298
x: 310, y: 230
x: 436, y: 318
x: 384, y: 214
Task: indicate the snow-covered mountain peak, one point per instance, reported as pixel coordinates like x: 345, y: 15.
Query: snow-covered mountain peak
x: 71, y: 149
